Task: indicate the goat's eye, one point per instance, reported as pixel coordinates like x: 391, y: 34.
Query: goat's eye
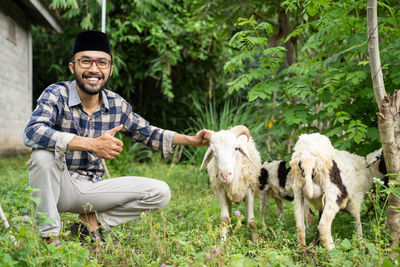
x: 236, y: 148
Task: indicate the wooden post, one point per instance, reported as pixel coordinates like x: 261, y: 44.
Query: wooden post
x: 6, y: 224
x: 103, y: 162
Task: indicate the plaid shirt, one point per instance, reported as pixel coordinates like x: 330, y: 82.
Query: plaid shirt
x: 59, y: 117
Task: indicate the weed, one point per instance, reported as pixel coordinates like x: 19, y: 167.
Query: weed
x: 185, y: 233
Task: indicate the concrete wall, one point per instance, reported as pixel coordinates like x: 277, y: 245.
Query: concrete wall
x: 15, y: 82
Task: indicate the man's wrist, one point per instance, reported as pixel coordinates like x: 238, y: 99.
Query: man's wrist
x: 82, y: 144
x: 90, y: 142
x: 191, y: 140
x: 182, y: 139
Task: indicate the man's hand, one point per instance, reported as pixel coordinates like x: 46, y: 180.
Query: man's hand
x: 107, y: 146
x: 205, y: 141
x: 201, y: 138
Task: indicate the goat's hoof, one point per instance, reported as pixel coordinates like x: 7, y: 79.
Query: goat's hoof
x: 329, y: 247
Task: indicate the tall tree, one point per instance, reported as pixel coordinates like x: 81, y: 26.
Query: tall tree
x: 388, y: 120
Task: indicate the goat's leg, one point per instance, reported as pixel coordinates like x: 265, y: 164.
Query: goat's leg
x: 229, y: 207
x: 299, y: 215
x: 249, y: 199
x: 224, y: 203
x: 325, y: 223
x: 354, y: 209
x: 309, y: 215
x: 279, y: 205
x: 262, y: 205
x: 251, y: 222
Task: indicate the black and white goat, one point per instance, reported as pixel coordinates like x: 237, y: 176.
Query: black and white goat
x: 329, y: 179
x: 233, y: 165
x: 276, y: 182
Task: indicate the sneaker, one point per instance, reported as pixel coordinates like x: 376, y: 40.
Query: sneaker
x: 82, y: 232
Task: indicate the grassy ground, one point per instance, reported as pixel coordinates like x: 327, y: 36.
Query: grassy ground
x: 183, y: 234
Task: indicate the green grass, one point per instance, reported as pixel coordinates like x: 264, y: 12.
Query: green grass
x: 185, y: 233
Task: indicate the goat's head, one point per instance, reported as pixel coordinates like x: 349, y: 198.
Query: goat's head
x: 376, y: 161
x: 227, y: 147
x: 310, y: 169
x: 312, y: 158
x: 304, y: 167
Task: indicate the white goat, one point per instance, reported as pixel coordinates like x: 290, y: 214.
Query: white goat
x: 329, y: 179
x: 233, y: 165
x: 276, y: 181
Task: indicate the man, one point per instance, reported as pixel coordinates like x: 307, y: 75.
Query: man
x: 72, y: 129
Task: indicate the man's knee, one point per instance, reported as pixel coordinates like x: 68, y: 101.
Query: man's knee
x: 164, y: 194
x: 44, y: 172
x: 42, y: 159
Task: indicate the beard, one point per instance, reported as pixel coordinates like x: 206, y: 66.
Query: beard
x: 86, y: 87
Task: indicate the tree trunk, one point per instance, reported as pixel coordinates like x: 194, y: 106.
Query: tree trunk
x: 388, y: 119
x: 389, y: 128
x: 284, y: 29
x: 373, y: 51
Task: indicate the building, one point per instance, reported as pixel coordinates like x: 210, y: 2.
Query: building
x: 16, y: 20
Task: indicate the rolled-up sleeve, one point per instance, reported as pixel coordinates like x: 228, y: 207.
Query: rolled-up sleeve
x: 140, y: 130
x: 168, y: 148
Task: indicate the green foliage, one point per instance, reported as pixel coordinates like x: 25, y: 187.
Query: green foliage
x: 17, y: 203
x: 168, y: 54
x: 133, y: 152
x: 230, y: 114
x: 256, y: 53
x: 328, y: 87
x: 185, y: 233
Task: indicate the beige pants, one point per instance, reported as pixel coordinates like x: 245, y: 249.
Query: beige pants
x: 115, y: 201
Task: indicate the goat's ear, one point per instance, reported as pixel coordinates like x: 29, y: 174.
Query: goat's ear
x: 376, y: 155
x: 207, y: 157
x: 244, y: 151
x: 243, y: 139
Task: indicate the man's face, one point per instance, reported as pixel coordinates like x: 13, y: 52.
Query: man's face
x: 91, y: 79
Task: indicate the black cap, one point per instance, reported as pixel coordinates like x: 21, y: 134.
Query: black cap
x: 92, y: 40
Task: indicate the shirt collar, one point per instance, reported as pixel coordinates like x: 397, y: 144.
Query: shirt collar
x: 104, y: 98
x: 75, y: 100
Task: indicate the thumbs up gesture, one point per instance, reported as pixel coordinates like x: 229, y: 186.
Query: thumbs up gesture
x: 107, y: 146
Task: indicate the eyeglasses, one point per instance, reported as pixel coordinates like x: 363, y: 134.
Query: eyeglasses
x: 86, y: 63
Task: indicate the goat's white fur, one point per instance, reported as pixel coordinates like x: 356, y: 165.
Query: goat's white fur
x: 312, y: 166
x: 233, y: 164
